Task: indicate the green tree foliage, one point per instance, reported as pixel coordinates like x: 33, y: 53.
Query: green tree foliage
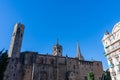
x: 90, y: 76
x: 106, y: 75
x: 3, y: 62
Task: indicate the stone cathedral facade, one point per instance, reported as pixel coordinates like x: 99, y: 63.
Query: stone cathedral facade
x: 35, y: 66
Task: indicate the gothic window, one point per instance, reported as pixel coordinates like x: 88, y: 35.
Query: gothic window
x: 21, y: 35
x: 18, y: 30
x: 59, y: 51
x: 41, y: 60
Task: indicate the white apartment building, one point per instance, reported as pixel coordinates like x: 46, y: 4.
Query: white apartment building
x: 111, y: 42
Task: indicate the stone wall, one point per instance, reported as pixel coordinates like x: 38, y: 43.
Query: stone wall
x: 61, y: 68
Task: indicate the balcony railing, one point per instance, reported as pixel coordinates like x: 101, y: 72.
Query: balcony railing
x: 113, y: 49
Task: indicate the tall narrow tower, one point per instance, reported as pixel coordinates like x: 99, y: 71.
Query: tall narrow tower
x: 57, y: 49
x: 78, y: 54
x: 13, y: 68
x: 16, y: 41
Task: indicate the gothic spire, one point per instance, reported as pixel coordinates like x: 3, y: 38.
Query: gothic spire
x: 78, y: 54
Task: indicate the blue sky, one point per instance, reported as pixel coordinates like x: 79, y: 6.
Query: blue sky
x: 69, y: 20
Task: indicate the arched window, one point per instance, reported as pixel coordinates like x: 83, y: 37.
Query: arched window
x: 18, y: 30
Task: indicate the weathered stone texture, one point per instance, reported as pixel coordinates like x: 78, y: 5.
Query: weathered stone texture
x: 47, y: 67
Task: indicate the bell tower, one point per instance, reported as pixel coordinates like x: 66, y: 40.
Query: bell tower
x: 57, y: 49
x: 16, y: 41
x: 13, y: 68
